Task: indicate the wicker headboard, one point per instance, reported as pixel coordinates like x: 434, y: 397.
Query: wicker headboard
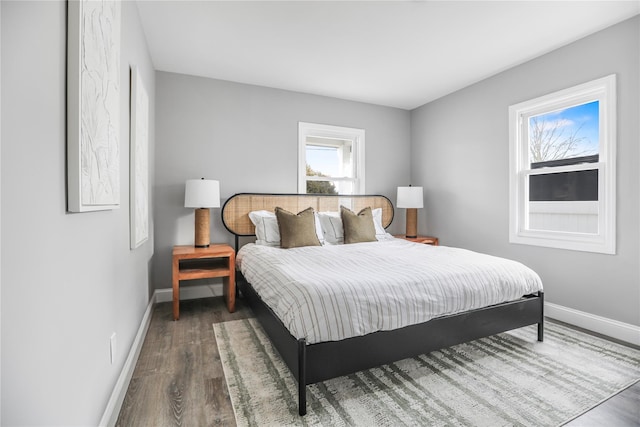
x: 235, y: 212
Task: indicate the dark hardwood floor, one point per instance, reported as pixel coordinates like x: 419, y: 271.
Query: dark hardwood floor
x: 621, y: 410
x: 178, y: 379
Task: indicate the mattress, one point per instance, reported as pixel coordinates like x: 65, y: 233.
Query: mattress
x: 330, y: 293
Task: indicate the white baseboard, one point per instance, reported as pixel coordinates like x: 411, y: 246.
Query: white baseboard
x: 190, y: 292
x: 602, y: 325
x: 609, y: 327
x: 111, y: 412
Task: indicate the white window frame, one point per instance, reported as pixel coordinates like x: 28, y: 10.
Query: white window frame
x: 604, y: 91
x: 357, y: 136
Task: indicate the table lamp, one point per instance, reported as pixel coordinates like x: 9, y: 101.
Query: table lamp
x: 202, y: 194
x: 411, y: 199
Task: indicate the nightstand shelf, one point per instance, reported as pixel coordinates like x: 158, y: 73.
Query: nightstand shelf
x: 427, y: 240
x: 203, y: 269
x: 191, y: 263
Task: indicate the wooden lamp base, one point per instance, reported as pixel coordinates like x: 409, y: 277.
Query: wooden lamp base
x: 412, y: 222
x: 203, y: 234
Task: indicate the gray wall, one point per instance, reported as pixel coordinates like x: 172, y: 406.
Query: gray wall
x: 460, y: 155
x: 247, y: 138
x: 68, y: 280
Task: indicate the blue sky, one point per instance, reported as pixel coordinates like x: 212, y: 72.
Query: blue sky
x: 323, y: 159
x: 582, y: 118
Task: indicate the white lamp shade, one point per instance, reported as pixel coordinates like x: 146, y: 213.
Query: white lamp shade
x: 410, y: 197
x: 202, y: 193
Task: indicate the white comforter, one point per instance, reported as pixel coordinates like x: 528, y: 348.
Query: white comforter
x: 329, y: 293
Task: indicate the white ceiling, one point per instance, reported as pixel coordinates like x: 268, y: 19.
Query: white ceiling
x: 396, y: 53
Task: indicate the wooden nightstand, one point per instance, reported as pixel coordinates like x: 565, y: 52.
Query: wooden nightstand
x: 218, y: 260
x: 427, y: 240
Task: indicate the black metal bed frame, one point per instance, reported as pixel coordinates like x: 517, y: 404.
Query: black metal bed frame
x: 312, y: 363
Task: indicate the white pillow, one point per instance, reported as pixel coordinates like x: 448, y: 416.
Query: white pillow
x: 332, y: 227
x: 377, y: 221
x: 334, y: 231
x: 267, y: 231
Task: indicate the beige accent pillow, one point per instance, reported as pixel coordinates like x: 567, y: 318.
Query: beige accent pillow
x: 297, y: 230
x: 358, y: 227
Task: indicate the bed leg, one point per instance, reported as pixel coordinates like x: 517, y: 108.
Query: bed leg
x: 302, y: 376
x: 541, y: 323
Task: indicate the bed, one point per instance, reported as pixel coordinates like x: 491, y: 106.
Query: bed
x: 432, y: 317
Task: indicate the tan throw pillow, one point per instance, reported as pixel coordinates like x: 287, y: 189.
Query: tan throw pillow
x: 358, y: 228
x: 297, y: 230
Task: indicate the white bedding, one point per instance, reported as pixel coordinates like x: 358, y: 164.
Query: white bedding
x: 329, y: 293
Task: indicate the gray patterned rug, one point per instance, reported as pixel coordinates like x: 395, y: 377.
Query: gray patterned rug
x: 505, y: 380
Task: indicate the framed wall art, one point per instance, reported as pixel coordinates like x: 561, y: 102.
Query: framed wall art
x: 93, y: 105
x: 139, y: 161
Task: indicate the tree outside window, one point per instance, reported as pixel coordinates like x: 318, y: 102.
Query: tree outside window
x: 562, y: 168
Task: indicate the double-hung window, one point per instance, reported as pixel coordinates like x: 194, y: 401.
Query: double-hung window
x: 330, y: 159
x: 562, y: 168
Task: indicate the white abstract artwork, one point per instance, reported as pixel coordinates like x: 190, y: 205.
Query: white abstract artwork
x: 93, y: 105
x: 139, y: 162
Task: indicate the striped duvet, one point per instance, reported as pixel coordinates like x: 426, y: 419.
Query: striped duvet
x: 329, y: 293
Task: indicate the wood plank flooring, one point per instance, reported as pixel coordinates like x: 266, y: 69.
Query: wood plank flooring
x: 178, y: 379
x: 622, y: 410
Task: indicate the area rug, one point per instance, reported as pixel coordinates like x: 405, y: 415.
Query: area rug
x: 504, y: 380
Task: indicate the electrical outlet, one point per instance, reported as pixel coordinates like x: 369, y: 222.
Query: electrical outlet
x: 112, y: 347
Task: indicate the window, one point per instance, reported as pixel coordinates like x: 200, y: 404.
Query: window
x: 330, y: 159
x: 562, y: 168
